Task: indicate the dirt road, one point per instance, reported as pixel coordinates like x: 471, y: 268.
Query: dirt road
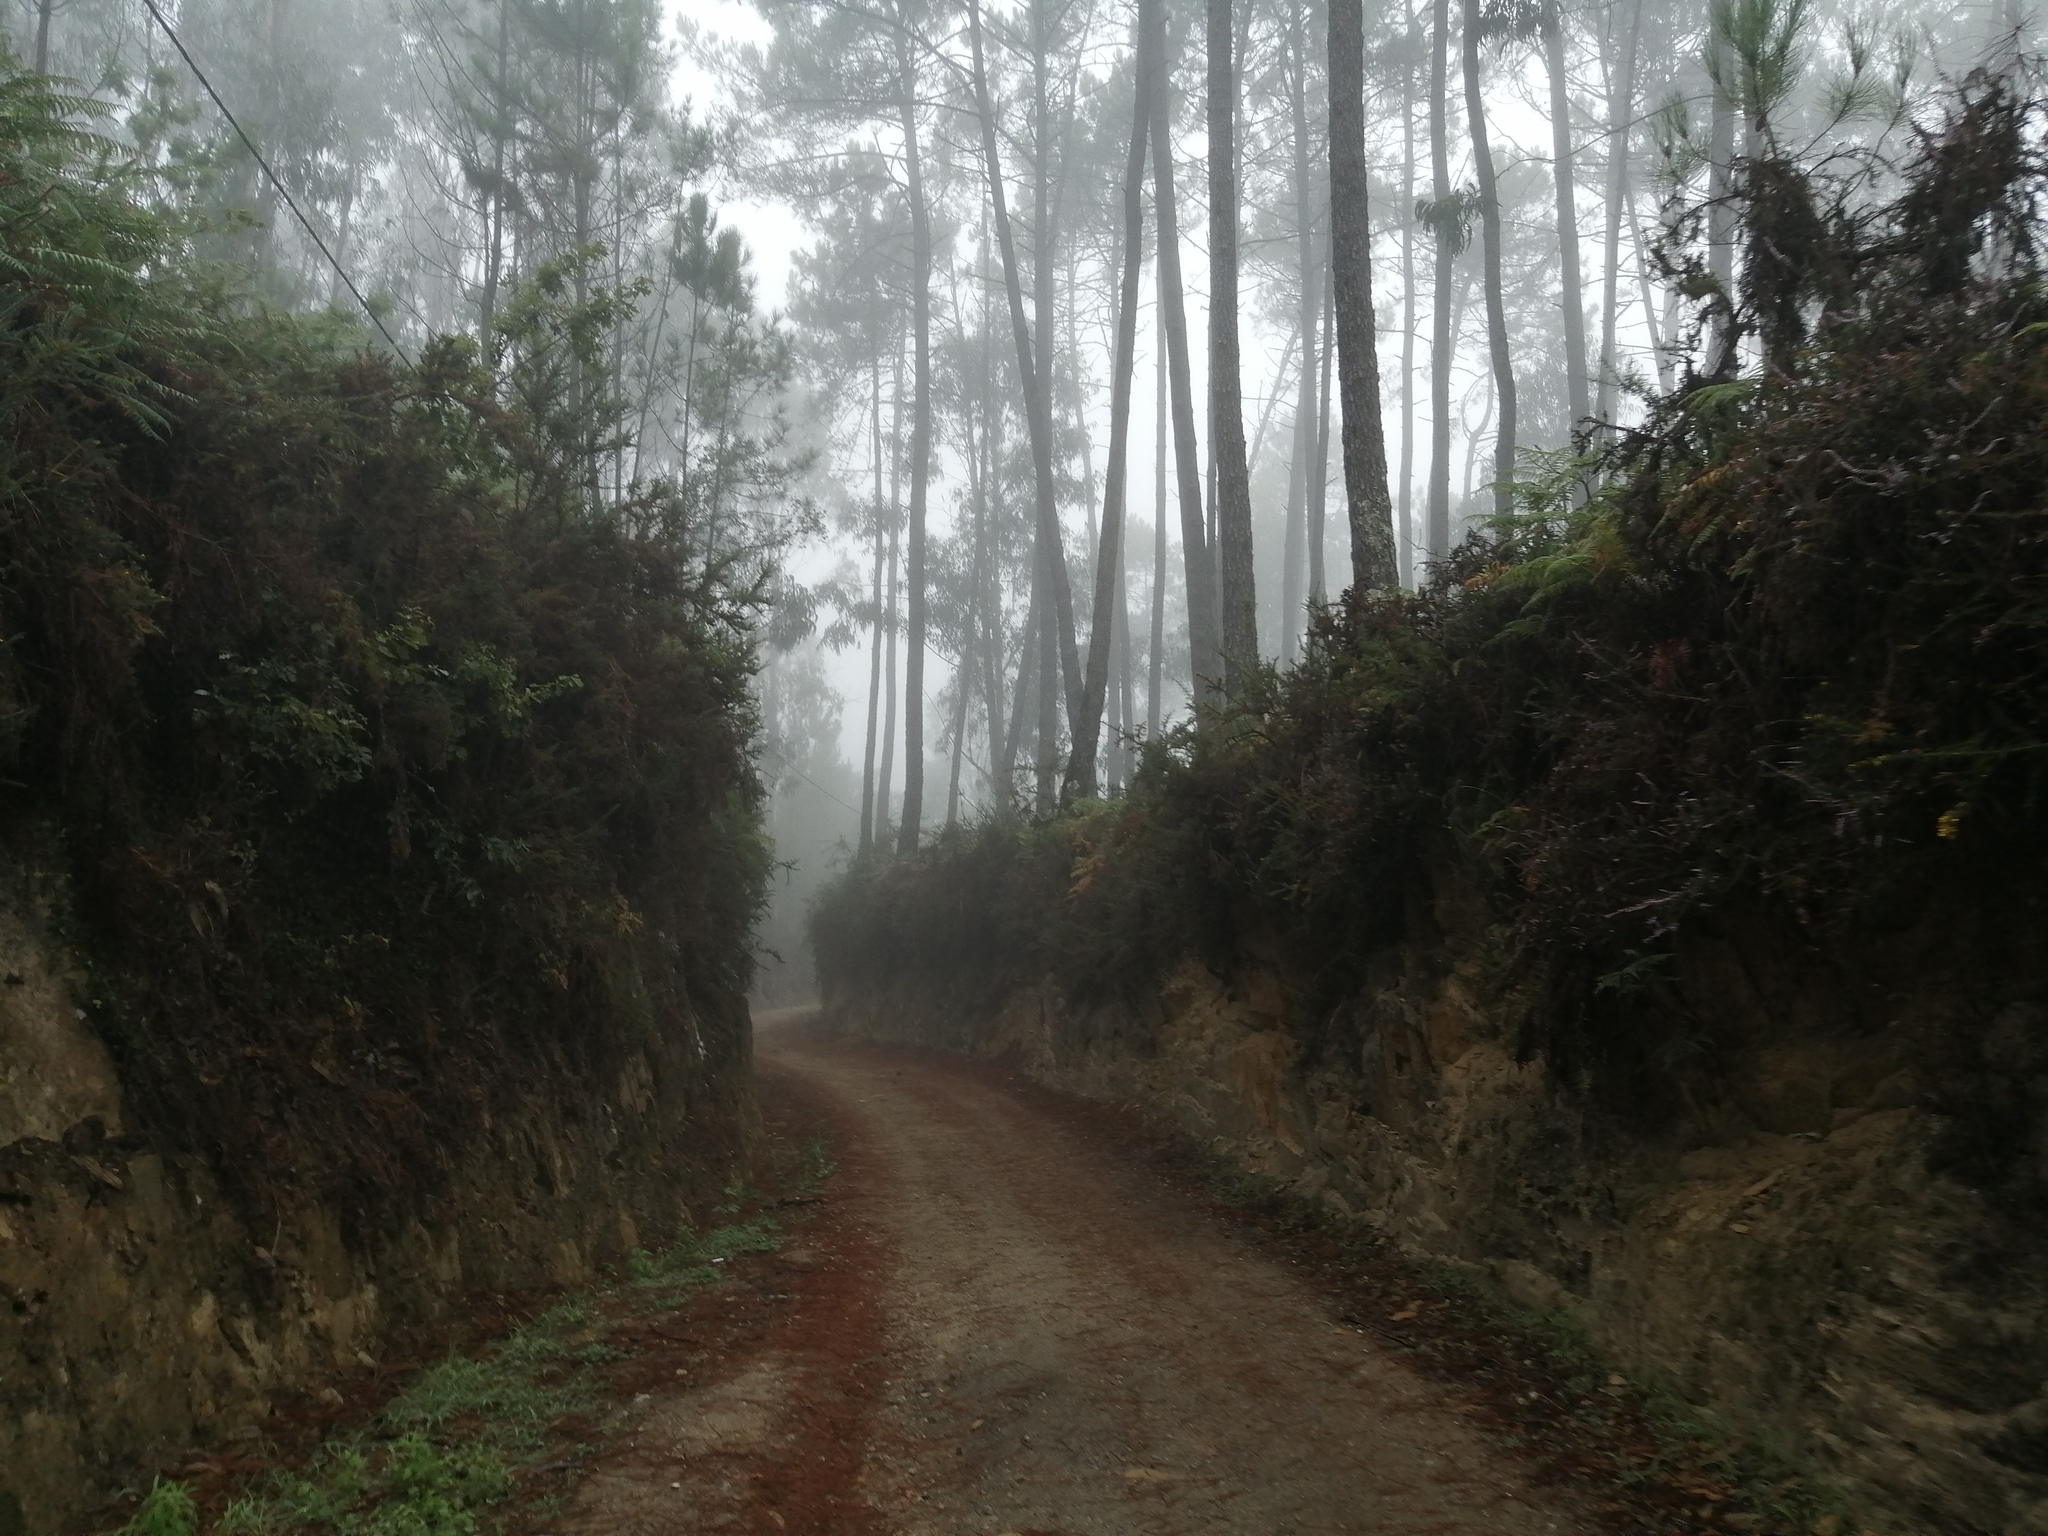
x: 998, y: 1323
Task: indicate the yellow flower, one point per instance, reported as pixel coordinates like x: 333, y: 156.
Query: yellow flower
x: 1950, y: 824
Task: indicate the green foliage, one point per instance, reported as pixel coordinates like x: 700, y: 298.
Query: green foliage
x: 375, y: 736
x: 1794, y: 646
x: 167, y: 1510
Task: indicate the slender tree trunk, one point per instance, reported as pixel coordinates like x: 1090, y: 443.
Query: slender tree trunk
x: 1574, y: 296
x: 1109, y: 562
x: 1036, y: 405
x: 962, y: 687
x: 1404, y: 531
x: 1205, y: 642
x: 1048, y: 741
x: 1226, y: 402
x: 1490, y: 252
x: 885, y: 788
x: 1294, y: 551
x: 1721, y: 198
x: 1621, y: 110
x: 1273, y: 399
x: 920, y: 444
x: 1027, y: 669
x: 867, y: 771
x: 1319, y: 465
x: 882, y: 822
x: 494, y: 258
x: 1001, y: 746
x: 1155, y: 653
x: 1660, y: 330
x: 1124, y: 700
x: 1442, y: 347
x: 1358, y: 367
x: 44, y: 8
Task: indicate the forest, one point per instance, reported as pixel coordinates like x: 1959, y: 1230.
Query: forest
x: 1451, y: 600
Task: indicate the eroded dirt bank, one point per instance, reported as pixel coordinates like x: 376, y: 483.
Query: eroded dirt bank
x: 996, y: 1324
x: 150, y: 1310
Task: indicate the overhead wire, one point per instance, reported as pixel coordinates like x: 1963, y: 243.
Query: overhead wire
x: 271, y: 176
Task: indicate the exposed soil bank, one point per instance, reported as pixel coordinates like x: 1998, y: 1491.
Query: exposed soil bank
x: 151, y: 1300
x: 1810, y: 1221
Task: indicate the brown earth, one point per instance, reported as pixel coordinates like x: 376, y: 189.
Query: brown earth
x: 1001, y: 1321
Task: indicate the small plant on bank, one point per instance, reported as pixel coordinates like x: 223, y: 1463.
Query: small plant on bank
x: 446, y: 1452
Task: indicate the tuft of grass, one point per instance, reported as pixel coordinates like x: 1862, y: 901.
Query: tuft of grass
x: 168, y: 1510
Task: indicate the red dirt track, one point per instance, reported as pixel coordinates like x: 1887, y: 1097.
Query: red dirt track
x: 998, y: 1321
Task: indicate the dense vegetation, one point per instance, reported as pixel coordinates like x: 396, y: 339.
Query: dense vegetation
x: 1787, y: 640
x: 362, y: 734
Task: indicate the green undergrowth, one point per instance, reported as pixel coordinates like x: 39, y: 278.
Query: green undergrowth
x: 387, y: 771
x: 444, y: 1456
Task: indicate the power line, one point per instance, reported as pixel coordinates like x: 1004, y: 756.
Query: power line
x: 821, y: 789
x: 271, y: 176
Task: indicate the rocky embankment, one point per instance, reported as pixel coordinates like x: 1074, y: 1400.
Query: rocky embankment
x: 1816, y: 1212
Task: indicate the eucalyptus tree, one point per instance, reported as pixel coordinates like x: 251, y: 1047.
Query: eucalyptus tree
x: 1205, y: 640
x: 1487, y: 196
x: 1549, y: 23
x: 1239, y: 599
x: 1621, y: 111
x: 1054, y: 604
x: 1365, y: 454
x: 1104, y: 632
x: 1446, y: 218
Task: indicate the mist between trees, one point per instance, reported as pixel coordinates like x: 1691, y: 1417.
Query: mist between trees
x: 1122, y: 338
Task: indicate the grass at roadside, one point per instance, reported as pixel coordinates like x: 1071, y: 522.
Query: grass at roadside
x: 476, y: 1433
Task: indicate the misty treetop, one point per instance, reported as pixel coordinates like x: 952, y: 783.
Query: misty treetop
x: 1121, y: 338
x: 1380, y: 270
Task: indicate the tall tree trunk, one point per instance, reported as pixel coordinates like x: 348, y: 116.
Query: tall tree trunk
x: 867, y: 771
x: 1037, y: 409
x: 1404, y: 528
x: 889, y: 617
x: 1319, y: 465
x: 1226, y: 401
x: 1660, y: 330
x: 1123, y: 697
x: 1721, y: 196
x: 1205, y: 641
x: 1048, y: 739
x: 494, y: 256
x: 1621, y: 111
x: 962, y: 687
x: 1294, y: 547
x: 1442, y: 343
x: 1358, y: 366
x: 1001, y: 746
x: 1490, y: 253
x: 1109, y: 563
x: 1155, y: 653
x: 1027, y: 669
x: 885, y: 788
x: 44, y: 8
x: 1574, y: 296
x: 920, y: 443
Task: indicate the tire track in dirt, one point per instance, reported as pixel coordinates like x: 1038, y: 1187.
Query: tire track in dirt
x: 999, y: 1324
